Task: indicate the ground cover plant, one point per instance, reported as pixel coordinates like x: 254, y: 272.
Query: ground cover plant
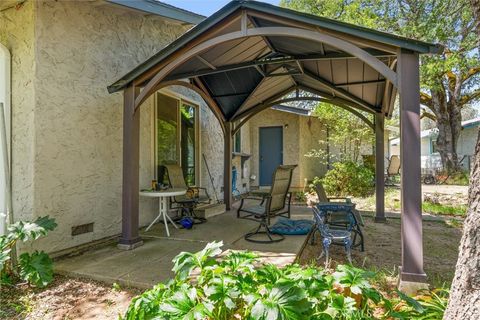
x: 36, y: 268
x: 347, y: 178
x: 236, y: 286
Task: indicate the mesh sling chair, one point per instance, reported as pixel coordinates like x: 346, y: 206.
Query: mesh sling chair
x: 272, y: 204
x: 194, y: 195
x: 393, y: 169
x: 341, y: 219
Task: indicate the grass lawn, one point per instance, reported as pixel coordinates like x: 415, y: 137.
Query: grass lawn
x: 445, y: 207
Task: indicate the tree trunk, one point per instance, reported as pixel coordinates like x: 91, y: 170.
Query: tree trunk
x: 449, y: 124
x: 464, y: 300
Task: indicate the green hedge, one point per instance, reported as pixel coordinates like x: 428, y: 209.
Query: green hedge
x: 349, y: 179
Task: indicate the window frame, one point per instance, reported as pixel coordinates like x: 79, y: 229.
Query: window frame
x: 180, y: 100
x: 239, y: 135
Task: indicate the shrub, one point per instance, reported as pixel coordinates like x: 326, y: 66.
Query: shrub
x: 238, y: 287
x: 348, y: 179
x: 35, y: 268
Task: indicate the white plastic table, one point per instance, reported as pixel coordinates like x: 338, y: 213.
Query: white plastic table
x: 163, y: 196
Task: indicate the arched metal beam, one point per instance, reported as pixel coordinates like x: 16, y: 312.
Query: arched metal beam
x: 268, y: 31
x: 208, y: 100
x: 262, y: 107
x: 326, y: 100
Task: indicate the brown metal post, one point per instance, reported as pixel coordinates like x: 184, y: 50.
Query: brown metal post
x: 227, y: 167
x: 379, y: 167
x: 411, y: 197
x: 130, y: 238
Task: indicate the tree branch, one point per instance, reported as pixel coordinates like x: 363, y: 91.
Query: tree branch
x: 471, y: 73
x: 475, y: 95
x: 425, y: 99
x: 426, y: 114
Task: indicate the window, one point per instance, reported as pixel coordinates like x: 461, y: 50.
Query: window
x: 433, y: 146
x: 237, y: 141
x: 176, y: 125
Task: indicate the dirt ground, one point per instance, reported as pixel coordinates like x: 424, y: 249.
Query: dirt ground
x: 383, y: 251
x: 65, y: 299
x: 68, y: 298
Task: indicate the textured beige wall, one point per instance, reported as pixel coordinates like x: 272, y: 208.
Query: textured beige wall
x: 312, y: 137
x: 17, y: 34
x: 77, y: 129
x: 291, y: 145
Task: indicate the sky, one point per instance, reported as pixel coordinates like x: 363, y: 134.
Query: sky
x: 205, y: 7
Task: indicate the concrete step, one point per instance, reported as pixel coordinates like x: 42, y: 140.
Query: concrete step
x: 209, y: 210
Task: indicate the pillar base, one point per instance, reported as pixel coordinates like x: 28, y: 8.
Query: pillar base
x: 129, y: 244
x: 380, y: 219
x: 411, y: 283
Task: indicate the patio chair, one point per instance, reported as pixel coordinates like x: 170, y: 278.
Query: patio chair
x: 341, y: 219
x: 194, y: 195
x: 393, y: 169
x: 330, y: 236
x: 275, y: 203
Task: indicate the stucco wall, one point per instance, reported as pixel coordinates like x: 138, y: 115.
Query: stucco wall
x: 80, y: 49
x: 312, y: 137
x: 17, y: 34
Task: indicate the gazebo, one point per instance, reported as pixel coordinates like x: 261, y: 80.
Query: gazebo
x: 250, y: 56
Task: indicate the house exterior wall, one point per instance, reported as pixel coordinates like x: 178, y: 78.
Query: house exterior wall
x: 467, y: 141
x: 303, y: 135
x: 17, y: 33
x: 67, y: 137
x: 312, y: 137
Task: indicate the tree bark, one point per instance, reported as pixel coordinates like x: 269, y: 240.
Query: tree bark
x: 449, y: 123
x: 464, y: 300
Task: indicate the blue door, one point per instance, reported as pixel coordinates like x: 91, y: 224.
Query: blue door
x: 271, y: 153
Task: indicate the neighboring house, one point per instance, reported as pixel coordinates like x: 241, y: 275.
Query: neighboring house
x: 66, y: 129
x: 430, y: 156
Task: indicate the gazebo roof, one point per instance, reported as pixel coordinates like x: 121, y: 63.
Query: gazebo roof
x: 243, y: 72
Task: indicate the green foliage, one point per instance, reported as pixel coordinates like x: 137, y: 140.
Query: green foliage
x: 36, y: 268
x: 345, y: 130
x: 237, y: 286
x: 348, y: 179
x: 437, y: 208
x: 449, y: 81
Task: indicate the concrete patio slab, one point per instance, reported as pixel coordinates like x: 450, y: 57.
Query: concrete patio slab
x: 151, y: 263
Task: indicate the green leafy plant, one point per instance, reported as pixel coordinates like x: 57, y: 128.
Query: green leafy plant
x: 36, y: 267
x: 348, y: 179
x: 212, y: 284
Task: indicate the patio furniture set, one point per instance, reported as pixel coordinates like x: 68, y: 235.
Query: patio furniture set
x: 335, y: 219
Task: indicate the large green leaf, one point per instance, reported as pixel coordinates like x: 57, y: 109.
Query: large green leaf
x: 284, y: 301
x: 185, y: 304
x: 354, y: 278
x: 24, y: 230
x: 36, y: 268
x: 185, y: 262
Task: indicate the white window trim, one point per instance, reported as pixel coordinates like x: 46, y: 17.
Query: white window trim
x: 181, y: 99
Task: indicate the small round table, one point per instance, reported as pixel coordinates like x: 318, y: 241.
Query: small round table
x: 162, y: 196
